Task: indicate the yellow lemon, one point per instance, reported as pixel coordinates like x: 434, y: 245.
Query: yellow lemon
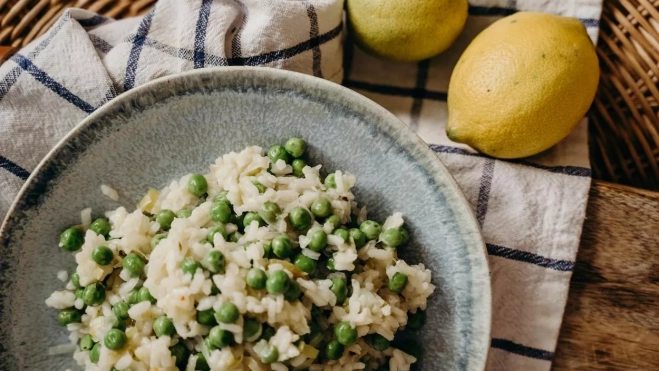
x: 522, y: 85
x: 406, y: 30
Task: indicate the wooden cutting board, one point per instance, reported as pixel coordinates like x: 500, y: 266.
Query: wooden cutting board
x: 612, y: 317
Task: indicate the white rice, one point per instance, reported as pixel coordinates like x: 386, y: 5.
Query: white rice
x: 110, y: 192
x: 86, y: 217
x: 63, y: 276
x: 369, y: 308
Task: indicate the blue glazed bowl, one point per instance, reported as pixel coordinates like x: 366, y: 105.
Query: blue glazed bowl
x: 180, y: 124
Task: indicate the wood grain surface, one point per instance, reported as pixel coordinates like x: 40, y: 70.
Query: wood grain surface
x: 612, y: 317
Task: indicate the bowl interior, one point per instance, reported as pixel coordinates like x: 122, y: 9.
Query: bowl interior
x: 179, y: 125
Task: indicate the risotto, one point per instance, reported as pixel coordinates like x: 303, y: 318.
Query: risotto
x: 259, y: 264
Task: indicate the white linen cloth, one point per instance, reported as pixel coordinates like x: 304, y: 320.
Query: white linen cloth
x: 531, y: 211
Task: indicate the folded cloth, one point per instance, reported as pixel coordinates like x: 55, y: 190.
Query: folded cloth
x: 531, y: 211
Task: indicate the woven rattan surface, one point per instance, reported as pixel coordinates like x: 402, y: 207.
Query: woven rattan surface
x: 624, y: 126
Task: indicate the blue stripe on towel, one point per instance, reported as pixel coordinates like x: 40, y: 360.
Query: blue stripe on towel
x: 51, y: 84
x: 200, y: 34
x: 136, y: 50
x: 566, y: 170
x: 522, y: 350
x: 531, y: 258
x: 395, y: 90
x: 13, y: 168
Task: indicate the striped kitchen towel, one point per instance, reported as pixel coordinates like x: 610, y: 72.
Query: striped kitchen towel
x: 531, y: 211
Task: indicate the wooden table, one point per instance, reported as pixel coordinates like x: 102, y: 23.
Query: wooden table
x: 612, y: 317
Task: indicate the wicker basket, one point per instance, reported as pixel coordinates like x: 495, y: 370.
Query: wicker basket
x: 624, y: 129
x: 624, y: 126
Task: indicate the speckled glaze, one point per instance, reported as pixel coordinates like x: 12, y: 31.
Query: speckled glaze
x: 180, y: 124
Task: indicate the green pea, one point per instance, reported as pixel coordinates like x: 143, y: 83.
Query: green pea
x: 371, y: 229
x: 68, y: 316
x: 293, y: 292
x: 221, y: 212
x: 340, y: 290
x: 278, y: 282
x: 317, y: 240
x: 404, y: 235
x: 120, y: 310
x: 330, y: 181
x: 334, y: 220
x: 86, y: 342
x: 102, y: 255
x: 259, y: 186
x: 214, y: 261
x: 163, y: 326
x: 267, y: 249
x: 358, y: 237
x: 343, y: 233
x: 268, y: 332
x: 345, y: 333
x: 321, y: 207
x: 219, y: 338
x: 238, y: 220
x: 95, y: 353
x: 202, y: 364
x: 278, y: 152
x: 101, y: 227
x: 214, y: 289
x: 334, y: 350
x: 251, y: 329
x: 330, y: 264
x: 189, y: 266
x: 217, y: 229
x: 75, y: 279
x: 298, y: 166
x: 71, y: 239
x: 197, y: 185
x: 121, y: 325
x: 222, y: 197
x: 134, y: 264
x: 300, y: 218
x: 184, y: 214
x: 94, y: 295
x: 253, y: 217
x: 282, y: 247
x: 305, y: 263
x: 145, y: 295
x: 380, y: 343
x: 398, y: 282
x: 180, y: 353
x: 269, y: 212
x: 256, y: 279
x: 416, y: 320
x: 392, y: 237
x: 156, y: 239
x: 115, y: 339
x: 228, y: 313
x: 269, y: 354
x: 295, y: 147
x: 133, y: 297
x: 165, y: 218
x: 235, y: 236
x: 206, y: 317
x: 79, y: 292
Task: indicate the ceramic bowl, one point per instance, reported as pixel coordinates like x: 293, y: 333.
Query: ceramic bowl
x: 180, y: 124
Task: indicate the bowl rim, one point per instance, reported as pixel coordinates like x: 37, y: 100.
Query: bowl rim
x: 470, y: 231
